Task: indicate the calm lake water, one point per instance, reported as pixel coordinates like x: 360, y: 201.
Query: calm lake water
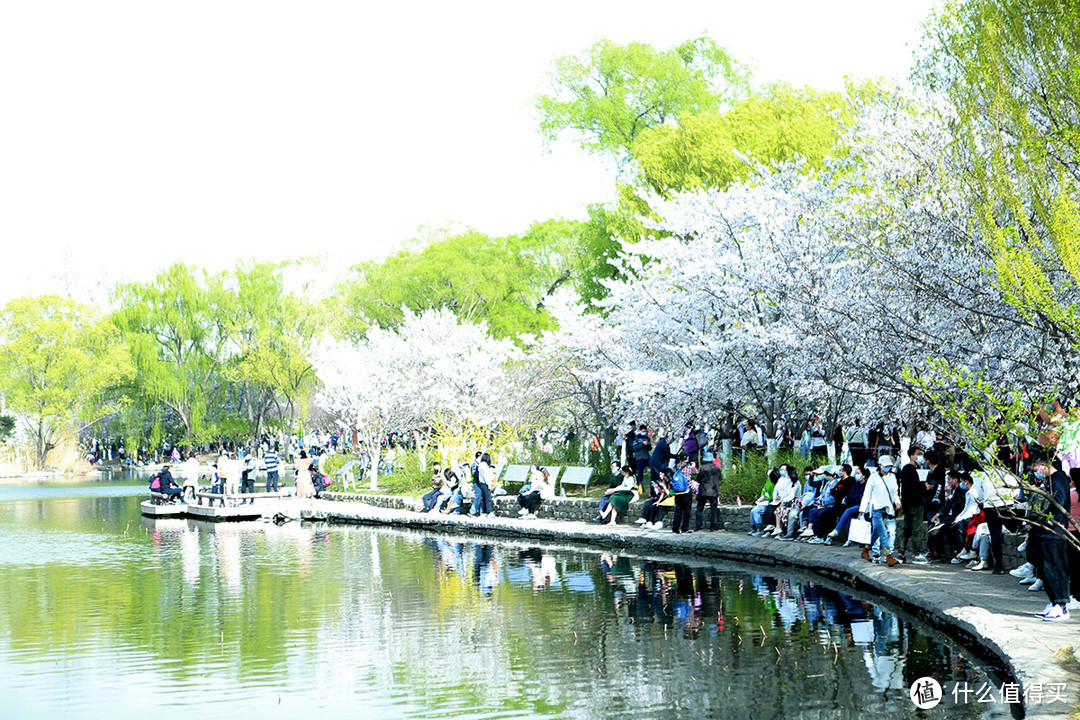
x: 103, y: 612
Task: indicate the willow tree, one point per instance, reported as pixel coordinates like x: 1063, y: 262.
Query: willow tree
x: 607, y: 97
x: 708, y: 150
x: 1011, y: 69
x: 273, y: 331
x: 56, y: 357
x: 176, y: 328
x: 502, y: 281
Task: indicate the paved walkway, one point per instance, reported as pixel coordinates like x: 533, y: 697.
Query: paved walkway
x: 991, y: 610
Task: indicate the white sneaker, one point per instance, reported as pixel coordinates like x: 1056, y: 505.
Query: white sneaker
x: 807, y: 533
x: 523, y: 511
x: 1022, y: 547
x: 1029, y: 580
x: 1036, y: 586
x: 1025, y: 570
x: 981, y: 565
x: 1045, y: 610
x: 658, y: 525
x: 1056, y: 614
x: 640, y: 521
x: 967, y: 555
x: 957, y: 560
x: 1073, y: 604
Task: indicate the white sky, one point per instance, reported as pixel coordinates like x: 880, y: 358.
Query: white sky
x: 137, y: 132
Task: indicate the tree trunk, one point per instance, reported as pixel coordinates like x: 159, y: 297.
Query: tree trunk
x: 41, y: 451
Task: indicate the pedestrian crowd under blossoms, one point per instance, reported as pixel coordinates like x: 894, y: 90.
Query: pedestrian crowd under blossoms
x: 949, y: 512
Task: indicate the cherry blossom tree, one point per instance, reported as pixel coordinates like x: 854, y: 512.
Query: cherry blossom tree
x: 397, y: 378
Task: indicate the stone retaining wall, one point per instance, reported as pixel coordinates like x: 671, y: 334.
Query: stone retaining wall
x: 561, y: 508
x: 732, y: 518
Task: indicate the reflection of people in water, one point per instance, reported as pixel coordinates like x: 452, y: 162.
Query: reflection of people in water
x: 696, y: 599
x: 485, y: 570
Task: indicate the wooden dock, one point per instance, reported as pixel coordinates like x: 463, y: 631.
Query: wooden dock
x: 220, y: 507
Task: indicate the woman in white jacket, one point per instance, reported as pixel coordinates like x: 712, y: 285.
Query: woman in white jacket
x: 881, y: 500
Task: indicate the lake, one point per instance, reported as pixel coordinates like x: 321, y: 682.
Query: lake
x: 103, y: 612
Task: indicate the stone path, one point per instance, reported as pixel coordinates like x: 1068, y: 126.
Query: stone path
x: 991, y: 610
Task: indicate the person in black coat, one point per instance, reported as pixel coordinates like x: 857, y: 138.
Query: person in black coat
x: 709, y: 478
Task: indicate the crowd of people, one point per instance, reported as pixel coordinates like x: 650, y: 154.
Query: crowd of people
x: 234, y: 474
x: 949, y: 515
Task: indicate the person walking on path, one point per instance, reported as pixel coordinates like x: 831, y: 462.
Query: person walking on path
x: 881, y: 501
x: 642, y: 452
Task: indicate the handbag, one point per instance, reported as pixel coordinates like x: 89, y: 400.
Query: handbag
x: 669, y: 501
x: 859, y: 531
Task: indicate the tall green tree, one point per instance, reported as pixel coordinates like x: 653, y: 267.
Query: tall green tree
x: 708, y: 149
x: 178, y: 332
x: 56, y: 358
x: 502, y: 280
x: 612, y: 94
x: 273, y: 331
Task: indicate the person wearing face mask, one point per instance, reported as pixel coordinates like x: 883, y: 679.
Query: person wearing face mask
x: 1055, y: 561
x: 881, y: 501
x: 913, y: 502
x: 944, y: 538
x: 852, y: 502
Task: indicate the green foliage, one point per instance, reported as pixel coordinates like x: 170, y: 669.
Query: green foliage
x: 972, y: 408
x: 703, y: 150
x: 7, y: 427
x: 177, y: 330
x: 56, y: 358
x: 273, y: 331
x: 503, y: 281
x: 611, y: 95
x: 744, y: 480
x: 1012, y: 70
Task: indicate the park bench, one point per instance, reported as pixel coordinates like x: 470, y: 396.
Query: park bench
x: 346, y: 474
x: 577, y: 476
x: 158, y: 498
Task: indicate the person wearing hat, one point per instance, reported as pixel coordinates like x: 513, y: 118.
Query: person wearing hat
x: 881, y: 501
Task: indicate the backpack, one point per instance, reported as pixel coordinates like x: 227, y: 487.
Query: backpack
x: 702, y: 438
x: 155, y: 482
x: 679, y: 483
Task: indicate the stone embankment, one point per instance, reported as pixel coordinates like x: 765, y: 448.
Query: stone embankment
x: 990, y: 614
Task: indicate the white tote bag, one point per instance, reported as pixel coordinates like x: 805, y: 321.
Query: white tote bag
x: 859, y: 531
